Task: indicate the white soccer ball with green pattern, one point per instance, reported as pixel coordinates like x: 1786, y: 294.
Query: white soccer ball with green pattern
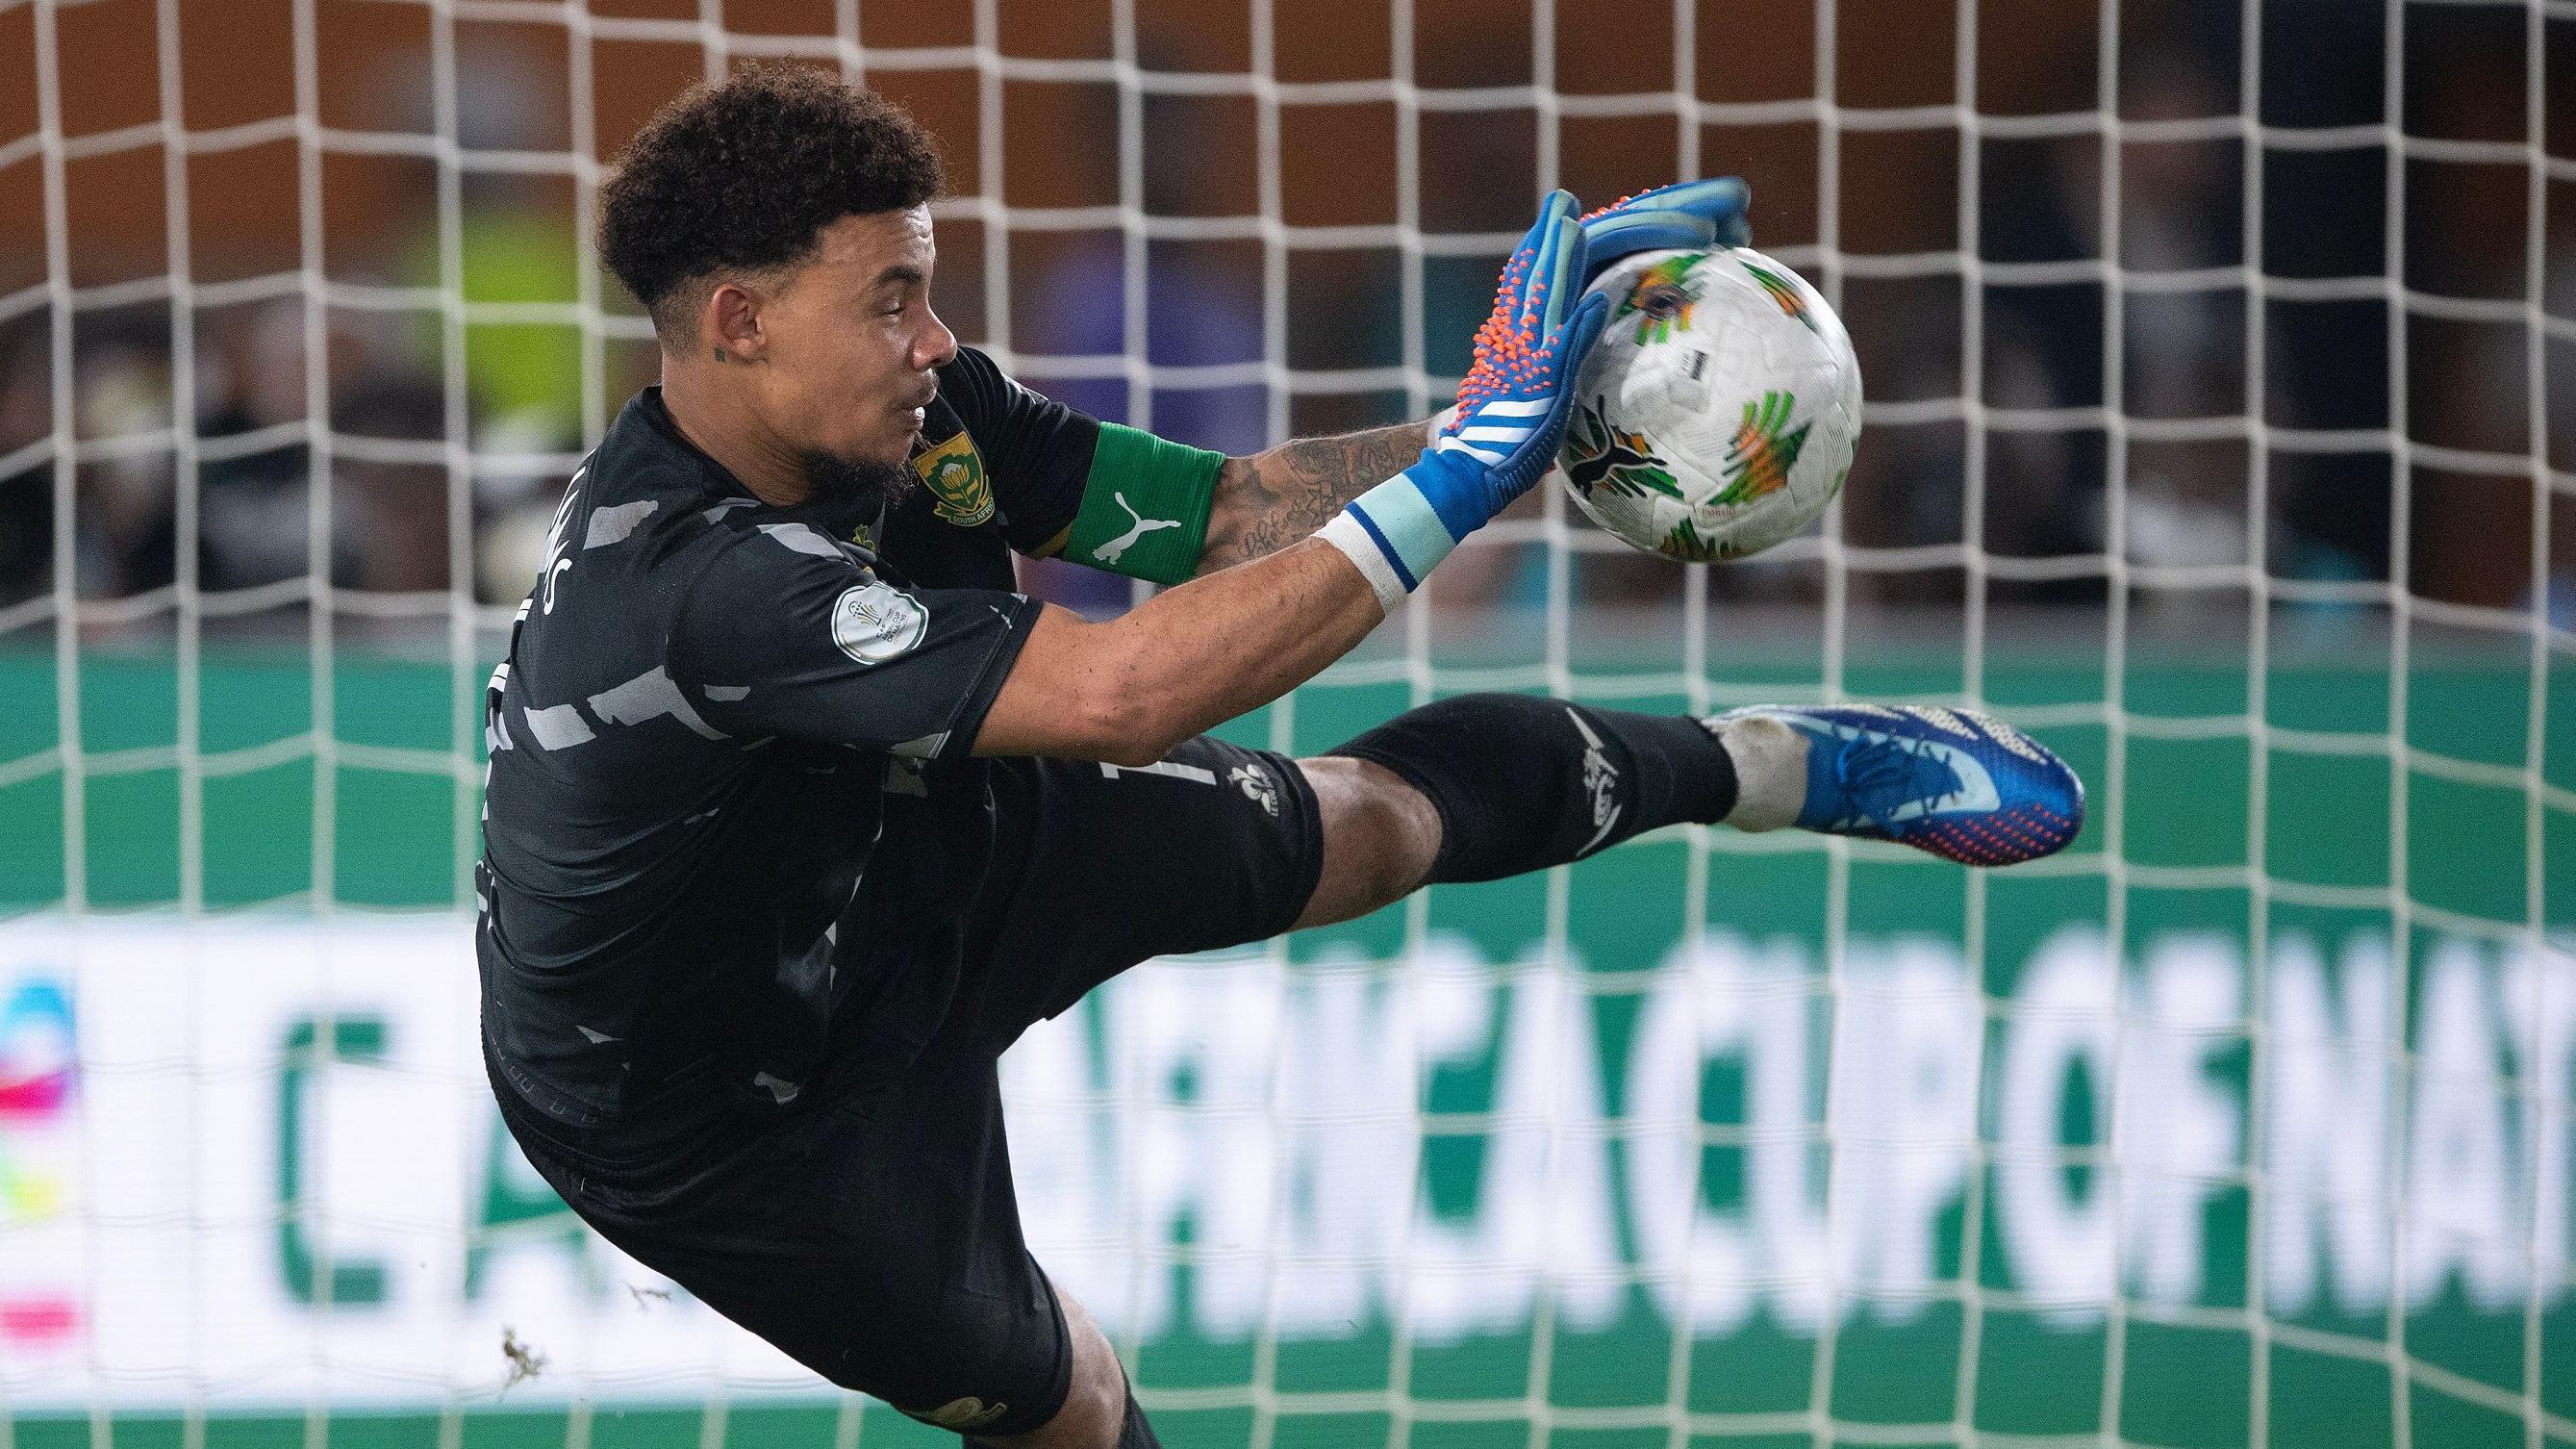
x: 1718, y: 413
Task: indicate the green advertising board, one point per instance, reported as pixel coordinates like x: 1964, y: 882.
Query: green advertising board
x: 2245, y: 1121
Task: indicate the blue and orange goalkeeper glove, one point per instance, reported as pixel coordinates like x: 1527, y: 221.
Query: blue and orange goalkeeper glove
x: 1511, y: 415
x: 1679, y: 217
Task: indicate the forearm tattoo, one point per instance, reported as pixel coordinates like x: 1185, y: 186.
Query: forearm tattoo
x: 1270, y: 500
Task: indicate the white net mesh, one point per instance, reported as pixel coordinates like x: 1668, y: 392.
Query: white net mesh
x: 2211, y: 436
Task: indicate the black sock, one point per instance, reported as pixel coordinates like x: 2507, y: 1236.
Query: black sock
x: 1135, y: 1433
x: 1522, y: 783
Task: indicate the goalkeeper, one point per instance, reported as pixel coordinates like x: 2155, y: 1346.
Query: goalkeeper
x: 797, y: 815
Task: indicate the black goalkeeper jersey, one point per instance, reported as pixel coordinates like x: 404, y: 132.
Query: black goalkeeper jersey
x: 732, y: 830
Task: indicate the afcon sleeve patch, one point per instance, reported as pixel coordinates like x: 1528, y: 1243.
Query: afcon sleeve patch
x: 876, y: 622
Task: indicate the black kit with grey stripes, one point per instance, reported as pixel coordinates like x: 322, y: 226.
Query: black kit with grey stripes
x: 755, y: 924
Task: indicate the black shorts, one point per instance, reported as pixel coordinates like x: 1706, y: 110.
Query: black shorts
x: 877, y: 1240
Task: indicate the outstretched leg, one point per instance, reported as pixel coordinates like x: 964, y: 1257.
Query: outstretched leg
x: 1490, y: 785
x: 1484, y: 786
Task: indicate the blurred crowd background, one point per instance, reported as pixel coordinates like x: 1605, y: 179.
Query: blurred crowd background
x: 507, y: 415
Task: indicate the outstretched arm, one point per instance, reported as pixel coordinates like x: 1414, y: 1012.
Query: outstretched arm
x: 1127, y: 690
x: 1269, y: 500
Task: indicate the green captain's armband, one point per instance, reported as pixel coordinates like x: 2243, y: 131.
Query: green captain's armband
x: 1144, y: 506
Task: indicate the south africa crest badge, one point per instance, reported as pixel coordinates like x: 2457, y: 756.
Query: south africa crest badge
x: 954, y: 473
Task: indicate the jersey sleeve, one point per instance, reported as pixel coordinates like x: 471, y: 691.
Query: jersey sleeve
x: 783, y: 634
x: 1100, y: 494
x: 1036, y: 450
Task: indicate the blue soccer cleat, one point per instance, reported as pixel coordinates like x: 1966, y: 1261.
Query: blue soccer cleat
x: 1963, y: 785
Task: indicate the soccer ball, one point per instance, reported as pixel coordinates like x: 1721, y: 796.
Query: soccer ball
x: 1718, y: 412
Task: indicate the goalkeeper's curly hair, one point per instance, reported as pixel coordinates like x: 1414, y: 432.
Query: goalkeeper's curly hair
x: 743, y: 177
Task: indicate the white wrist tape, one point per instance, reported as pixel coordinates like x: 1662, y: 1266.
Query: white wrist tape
x: 1345, y: 533
x: 1392, y: 535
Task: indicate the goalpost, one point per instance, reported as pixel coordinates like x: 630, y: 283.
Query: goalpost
x: 2243, y: 1122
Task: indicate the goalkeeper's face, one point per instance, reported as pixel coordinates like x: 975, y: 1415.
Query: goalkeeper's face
x: 850, y: 341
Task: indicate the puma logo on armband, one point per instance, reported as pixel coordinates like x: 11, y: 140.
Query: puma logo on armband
x: 1110, y: 552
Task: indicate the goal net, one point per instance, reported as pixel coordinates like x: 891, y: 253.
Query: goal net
x: 2212, y: 435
